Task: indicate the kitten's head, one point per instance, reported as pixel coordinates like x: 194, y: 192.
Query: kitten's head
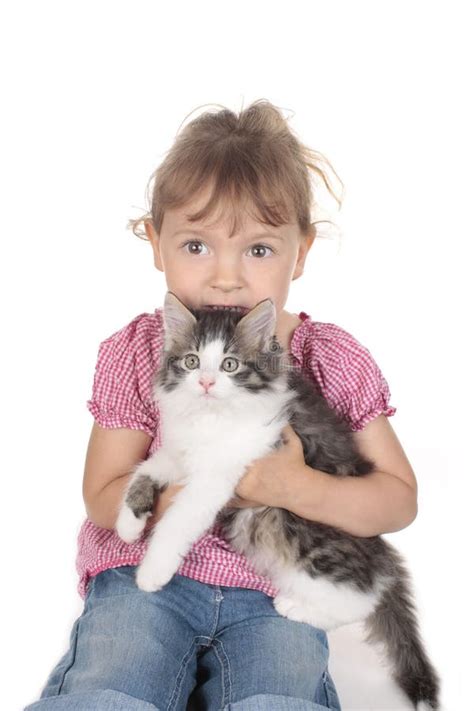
x: 210, y: 354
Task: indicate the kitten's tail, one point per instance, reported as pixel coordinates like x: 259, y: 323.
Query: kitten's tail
x: 394, y: 623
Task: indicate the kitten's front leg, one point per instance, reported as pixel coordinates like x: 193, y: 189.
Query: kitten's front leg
x: 149, y: 476
x: 193, y: 511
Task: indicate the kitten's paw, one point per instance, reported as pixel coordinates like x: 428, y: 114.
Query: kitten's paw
x: 300, y: 611
x: 293, y: 609
x: 152, y: 575
x: 285, y: 606
x: 149, y: 580
x: 128, y: 526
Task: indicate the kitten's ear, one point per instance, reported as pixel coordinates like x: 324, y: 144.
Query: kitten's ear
x: 178, y: 321
x: 257, y: 327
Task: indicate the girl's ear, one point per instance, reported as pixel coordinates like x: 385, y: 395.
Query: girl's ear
x: 154, y: 239
x: 303, y: 249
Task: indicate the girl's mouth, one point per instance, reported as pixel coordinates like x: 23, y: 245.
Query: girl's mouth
x: 239, y: 309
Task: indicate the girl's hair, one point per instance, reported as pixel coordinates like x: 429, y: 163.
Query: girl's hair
x: 252, y: 155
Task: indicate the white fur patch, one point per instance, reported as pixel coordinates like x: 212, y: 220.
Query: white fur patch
x: 320, y: 602
x: 128, y: 526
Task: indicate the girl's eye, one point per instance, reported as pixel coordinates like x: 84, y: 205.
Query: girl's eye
x: 195, y: 244
x: 191, y: 361
x: 230, y: 364
x: 261, y: 246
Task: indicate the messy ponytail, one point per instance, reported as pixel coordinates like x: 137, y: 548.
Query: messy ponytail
x: 248, y: 156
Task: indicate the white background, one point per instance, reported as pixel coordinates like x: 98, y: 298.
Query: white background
x: 93, y: 94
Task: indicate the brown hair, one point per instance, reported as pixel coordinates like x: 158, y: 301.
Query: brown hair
x: 250, y: 155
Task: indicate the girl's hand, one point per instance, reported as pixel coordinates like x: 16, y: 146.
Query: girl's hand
x: 268, y: 480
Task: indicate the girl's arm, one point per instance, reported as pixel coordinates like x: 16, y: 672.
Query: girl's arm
x: 381, y: 502
x: 112, y: 454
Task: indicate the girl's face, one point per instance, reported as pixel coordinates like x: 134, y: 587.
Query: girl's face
x: 204, y: 266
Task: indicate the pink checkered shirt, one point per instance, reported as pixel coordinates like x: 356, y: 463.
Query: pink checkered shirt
x: 344, y: 370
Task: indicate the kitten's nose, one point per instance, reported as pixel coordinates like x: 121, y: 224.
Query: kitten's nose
x: 206, y: 381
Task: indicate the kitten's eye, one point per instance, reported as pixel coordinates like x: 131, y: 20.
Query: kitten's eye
x: 230, y: 364
x: 191, y: 361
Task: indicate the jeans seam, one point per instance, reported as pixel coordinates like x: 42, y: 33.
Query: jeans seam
x: 215, y: 622
x: 225, y: 667
x: 73, y: 645
x: 325, y: 687
x: 330, y: 701
x: 180, y: 677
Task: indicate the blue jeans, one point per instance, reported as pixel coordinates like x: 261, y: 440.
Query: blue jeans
x: 134, y: 650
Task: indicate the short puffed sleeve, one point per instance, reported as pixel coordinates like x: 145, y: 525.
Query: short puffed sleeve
x: 347, y: 375
x: 122, y: 386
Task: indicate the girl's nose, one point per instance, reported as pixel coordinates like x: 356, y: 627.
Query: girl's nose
x: 227, y: 276
x: 206, y: 381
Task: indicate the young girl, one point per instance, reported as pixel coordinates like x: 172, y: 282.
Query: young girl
x: 230, y: 224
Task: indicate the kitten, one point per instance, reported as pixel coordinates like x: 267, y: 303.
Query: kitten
x: 225, y: 393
